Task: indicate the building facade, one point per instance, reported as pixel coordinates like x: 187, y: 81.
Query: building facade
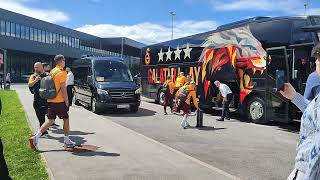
x: 28, y: 40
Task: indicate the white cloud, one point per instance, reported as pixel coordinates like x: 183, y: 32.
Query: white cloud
x: 290, y: 7
x: 49, y: 15
x: 148, y: 32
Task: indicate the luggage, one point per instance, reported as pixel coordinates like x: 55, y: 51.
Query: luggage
x: 183, y: 95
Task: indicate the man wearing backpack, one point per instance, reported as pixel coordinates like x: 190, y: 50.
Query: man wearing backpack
x: 184, y: 95
x: 226, y: 94
x: 168, y: 89
x: 58, y: 105
x: 39, y: 104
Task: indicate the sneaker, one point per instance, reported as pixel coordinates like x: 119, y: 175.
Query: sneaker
x: 165, y: 113
x: 68, y: 143
x: 33, y: 141
x: 45, y: 134
x: 220, y: 119
x: 54, y: 125
x: 227, y: 118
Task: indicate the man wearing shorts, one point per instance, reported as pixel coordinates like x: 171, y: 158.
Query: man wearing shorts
x: 58, y: 106
x: 185, y: 105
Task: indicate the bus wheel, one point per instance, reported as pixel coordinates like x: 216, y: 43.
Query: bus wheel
x: 160, y: 99
x: 256, y: 110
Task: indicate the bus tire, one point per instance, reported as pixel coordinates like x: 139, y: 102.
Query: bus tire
x: 255, y: 110
x: 160, y: 97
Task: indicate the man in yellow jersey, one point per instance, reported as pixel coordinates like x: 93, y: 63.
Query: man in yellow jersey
x: 168, y: 88
x: 184, y: 95
x: 58, y: 106
x: 180, y: 81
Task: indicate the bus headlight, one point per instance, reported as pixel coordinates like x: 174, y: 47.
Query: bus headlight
x: 102, y: 92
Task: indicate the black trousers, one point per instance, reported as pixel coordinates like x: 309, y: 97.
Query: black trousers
x: 225, y: 106
x: 41, y: 109
x: 70, y: 94
x: 4, y: 173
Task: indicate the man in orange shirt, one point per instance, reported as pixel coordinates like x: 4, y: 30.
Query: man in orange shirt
x: 180, y: 81
x: 58, y: 106
x: 168, y: 94
x: 189, y: 91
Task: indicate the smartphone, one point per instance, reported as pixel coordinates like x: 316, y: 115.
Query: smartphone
x: 280, y: 79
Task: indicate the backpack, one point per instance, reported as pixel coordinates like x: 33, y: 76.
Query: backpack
x: 47, y: 87
x: 183, y: 94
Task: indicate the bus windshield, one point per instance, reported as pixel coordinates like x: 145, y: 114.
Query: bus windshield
x: 111, y: 71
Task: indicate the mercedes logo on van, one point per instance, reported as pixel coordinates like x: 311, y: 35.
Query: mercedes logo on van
x: 123, y: 94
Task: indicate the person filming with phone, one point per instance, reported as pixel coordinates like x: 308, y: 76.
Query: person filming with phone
x: 307, y: 165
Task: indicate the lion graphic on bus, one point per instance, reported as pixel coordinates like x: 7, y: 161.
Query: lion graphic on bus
x: 236, y: 48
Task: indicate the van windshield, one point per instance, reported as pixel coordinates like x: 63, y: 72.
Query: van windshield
x: 111, y: 71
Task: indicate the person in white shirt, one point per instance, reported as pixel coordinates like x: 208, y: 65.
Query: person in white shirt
x: 70, y: 83
x: 226, y: 93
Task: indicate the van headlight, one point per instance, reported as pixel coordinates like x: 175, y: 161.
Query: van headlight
x: 102, y: 92
x: 138, y: 91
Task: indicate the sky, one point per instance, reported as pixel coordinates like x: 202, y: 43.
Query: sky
x: 149, y: 21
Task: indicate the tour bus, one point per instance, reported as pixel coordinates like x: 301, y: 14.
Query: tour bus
x: 104, y: 83
x: 245, y: 55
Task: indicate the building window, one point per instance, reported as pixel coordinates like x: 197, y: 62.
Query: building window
x: 23, y: 32
x: 50, y: 38
x: 77, y: 43
x: 3, y: 27
x: 39, y: 35
x: 47, y: 37
x: 18, y: 30
x: 54, y: 38
x: 31, y: 33
x: 43, y: 36
x: 7, y: 28
x: 27, y: 33
x: 70, y: 42
x: 13, y: 29
x: 60, y: 40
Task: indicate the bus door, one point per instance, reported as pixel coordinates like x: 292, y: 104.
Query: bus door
x: 301, y: 65
x: 276, y: 105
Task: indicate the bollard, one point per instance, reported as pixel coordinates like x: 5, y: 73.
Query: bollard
x: 199, y: 118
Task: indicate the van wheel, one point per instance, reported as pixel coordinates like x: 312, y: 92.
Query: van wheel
x: 94, y: 107
x: 134, y: 109
x: 255, y: 110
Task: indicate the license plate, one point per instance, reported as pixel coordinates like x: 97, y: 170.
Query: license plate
x: 123, y: 106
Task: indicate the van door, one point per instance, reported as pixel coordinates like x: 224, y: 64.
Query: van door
x: 276, y: 105
x: 88, y: 85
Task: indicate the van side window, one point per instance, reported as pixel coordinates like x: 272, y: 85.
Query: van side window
x: 81, y: 74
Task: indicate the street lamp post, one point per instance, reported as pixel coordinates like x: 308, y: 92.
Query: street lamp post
x: 305, y: 9
x: 172, y: 15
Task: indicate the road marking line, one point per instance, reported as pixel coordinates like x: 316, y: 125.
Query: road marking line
x: 176, y: 151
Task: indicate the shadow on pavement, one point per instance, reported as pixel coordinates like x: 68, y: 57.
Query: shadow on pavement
x: 60, y: 131
x: 125, y: 113
x: 207, y: 128
x: 293, y: 127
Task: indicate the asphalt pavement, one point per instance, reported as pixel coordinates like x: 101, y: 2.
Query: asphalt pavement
x: 121, y: 153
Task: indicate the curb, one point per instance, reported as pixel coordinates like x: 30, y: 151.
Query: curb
x: 49, y: 172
